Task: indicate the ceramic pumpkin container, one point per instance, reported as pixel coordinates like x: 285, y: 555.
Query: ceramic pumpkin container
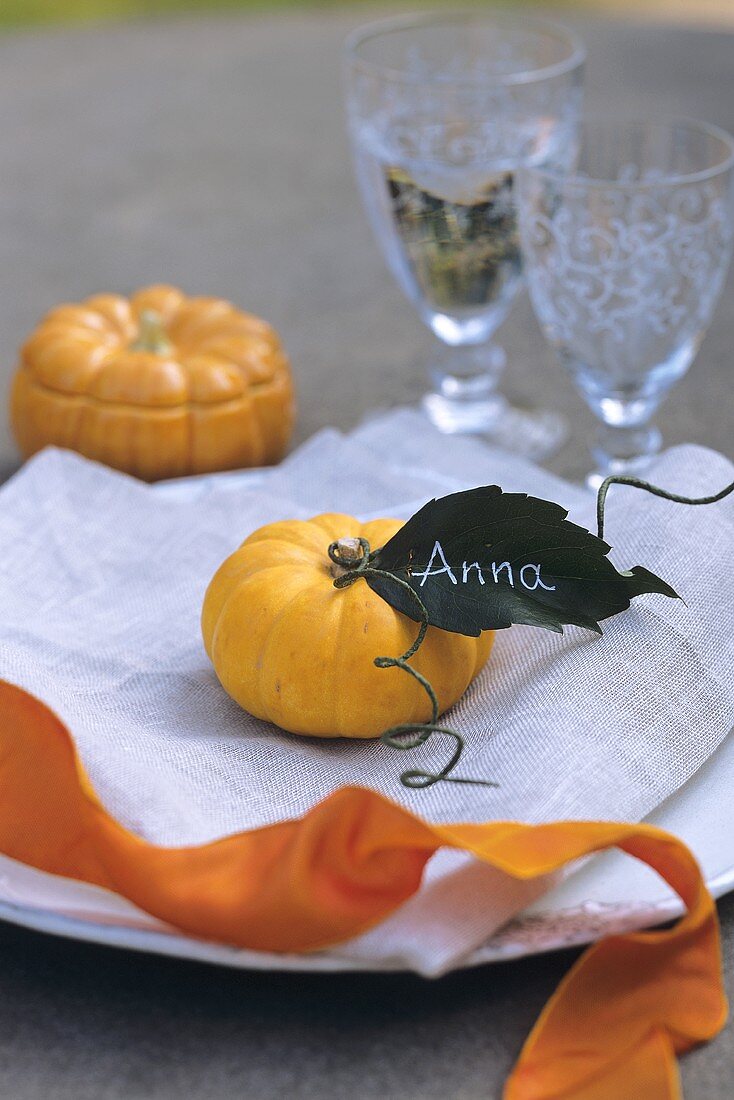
x: 292, y: 649
x: 158, y: 385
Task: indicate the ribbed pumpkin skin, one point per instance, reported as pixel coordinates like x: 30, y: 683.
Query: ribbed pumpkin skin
x: 220, y: 398
x: 293, y: 650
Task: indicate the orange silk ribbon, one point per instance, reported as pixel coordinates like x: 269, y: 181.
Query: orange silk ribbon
x: 611, y: 1030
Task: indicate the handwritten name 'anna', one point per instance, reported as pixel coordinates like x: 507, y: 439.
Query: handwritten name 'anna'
x: 528, y: 575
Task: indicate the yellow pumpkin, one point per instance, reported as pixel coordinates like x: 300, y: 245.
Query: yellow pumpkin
x: 158, y: 385
x: 292, y: 649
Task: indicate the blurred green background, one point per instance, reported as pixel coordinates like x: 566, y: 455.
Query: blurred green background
x: 25, y: 12
x: 20, y: 13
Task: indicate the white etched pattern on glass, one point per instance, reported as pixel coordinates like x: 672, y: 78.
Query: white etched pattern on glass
x: 624, y: 283
x: 644, y: 270
x: 625, y: 266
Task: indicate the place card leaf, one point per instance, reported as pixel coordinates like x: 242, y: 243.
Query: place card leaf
x: 484, y: 559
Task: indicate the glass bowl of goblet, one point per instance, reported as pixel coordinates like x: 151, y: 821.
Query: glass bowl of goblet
x: 443, y: 109
x: 626, y: 254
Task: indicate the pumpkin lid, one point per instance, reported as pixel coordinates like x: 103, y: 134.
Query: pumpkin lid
x: 158, y: 348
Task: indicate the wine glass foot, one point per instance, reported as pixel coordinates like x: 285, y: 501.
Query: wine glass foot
x: 462, y: 415
x: 533, y: 434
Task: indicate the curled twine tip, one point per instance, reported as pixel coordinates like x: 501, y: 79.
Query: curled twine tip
x: 361, y: 566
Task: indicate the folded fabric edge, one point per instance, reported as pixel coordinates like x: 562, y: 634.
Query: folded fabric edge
x: 350, y: 861
x: 51, y: 459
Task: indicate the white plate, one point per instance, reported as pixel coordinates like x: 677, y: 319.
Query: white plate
x: 610, y: 894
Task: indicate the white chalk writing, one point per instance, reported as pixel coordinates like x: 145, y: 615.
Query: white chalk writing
x: 528, y: 574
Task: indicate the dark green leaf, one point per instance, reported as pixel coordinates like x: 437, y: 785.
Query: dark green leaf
x: 484, y: 559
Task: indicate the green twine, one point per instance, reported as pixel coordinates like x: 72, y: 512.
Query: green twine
x: 637, y: 483
x: 394, y: 737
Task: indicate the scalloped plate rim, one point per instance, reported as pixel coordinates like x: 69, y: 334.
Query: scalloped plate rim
x: 512, y: 941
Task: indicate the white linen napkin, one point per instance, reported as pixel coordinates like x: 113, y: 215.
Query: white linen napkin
x: 101, y: 583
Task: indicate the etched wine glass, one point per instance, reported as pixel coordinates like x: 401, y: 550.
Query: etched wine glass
x: 443, y: 109
x: 626, y: 255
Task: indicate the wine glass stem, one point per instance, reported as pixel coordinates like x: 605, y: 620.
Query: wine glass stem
x: 624, y: 449
x: 464, y: 393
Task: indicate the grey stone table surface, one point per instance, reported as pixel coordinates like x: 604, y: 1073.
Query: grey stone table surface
x: 211, y: 153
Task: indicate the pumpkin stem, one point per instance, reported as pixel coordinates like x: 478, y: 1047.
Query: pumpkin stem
x: 152, y: 335
x: 349, y: 550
